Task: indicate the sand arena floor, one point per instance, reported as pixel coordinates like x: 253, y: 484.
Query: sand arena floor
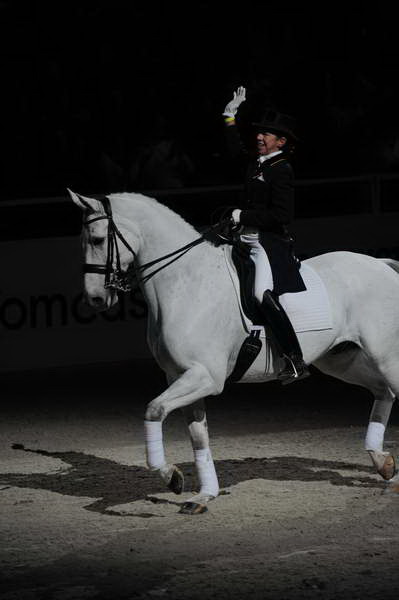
x: 301, y: 514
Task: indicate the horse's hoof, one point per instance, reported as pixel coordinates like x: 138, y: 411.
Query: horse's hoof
x: 192, y: 508
x: 392, y: 488
x: 176, y: 483
x: 387, y: 470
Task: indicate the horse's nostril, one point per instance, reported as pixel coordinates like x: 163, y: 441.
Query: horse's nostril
x: 97, y: 301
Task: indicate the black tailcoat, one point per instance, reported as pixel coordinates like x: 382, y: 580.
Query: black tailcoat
x: 269, y: 207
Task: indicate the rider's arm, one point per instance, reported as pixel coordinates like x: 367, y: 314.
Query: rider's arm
x: 234, y: 145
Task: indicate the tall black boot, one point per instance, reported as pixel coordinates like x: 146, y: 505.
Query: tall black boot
x: 275, y: 317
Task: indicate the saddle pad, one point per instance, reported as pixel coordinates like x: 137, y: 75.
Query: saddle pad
x: 308, y: 311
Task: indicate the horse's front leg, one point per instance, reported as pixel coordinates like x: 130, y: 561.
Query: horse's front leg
x: 195, y: 383
x: 208, y: 482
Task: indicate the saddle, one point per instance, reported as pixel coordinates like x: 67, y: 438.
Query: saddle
x: 308, y: 310
x: 245, y: 268
x: 252, y: 345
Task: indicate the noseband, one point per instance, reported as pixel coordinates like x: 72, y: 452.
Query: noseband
x: 115, y: 277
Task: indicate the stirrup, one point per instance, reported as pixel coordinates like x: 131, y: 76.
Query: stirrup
x: 293, y: 371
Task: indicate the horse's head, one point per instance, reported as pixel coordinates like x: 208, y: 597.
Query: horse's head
x: 107, y: 251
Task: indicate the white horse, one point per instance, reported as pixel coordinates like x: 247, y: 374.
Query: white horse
x: 195, y: 330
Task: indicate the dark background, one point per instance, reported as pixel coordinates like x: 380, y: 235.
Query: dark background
x: 107, y: 96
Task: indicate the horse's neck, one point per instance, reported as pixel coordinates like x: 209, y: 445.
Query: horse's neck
x: 161, y: 232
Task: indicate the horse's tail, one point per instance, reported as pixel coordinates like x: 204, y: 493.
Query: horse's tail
x: 391, y: 262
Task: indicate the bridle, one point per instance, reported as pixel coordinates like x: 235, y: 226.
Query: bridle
x: 114, y: 276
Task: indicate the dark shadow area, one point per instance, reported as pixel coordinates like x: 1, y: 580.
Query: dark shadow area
x: 113, y: 484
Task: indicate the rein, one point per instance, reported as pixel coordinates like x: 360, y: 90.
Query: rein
x: 115, y: 277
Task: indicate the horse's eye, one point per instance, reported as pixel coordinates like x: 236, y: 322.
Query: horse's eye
x: 97, y: 241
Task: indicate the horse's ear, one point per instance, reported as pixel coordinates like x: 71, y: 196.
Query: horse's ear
x: 86, y: 204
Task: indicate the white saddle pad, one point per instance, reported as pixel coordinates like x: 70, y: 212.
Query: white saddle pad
x: 308, y: 311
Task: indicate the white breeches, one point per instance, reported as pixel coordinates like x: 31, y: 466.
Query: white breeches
x: 263, y: 272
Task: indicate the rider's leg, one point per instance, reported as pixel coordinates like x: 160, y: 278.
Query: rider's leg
x: 285, y: 338
x: 275, y: 317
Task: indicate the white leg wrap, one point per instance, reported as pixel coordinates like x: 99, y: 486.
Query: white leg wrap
x: 375, y: 436
x: 154, y: 444
x: 206, y: 472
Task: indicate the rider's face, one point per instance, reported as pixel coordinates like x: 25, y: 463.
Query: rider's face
x: 268, y: 143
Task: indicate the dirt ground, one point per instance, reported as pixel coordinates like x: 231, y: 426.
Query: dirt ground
x: 301, y: 513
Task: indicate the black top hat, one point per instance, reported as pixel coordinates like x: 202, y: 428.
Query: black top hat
x: 275, y: 122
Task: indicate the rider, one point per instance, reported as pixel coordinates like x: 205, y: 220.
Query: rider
x: 263, y: 221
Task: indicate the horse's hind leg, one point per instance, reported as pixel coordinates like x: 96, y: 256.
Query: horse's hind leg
x: 195, y: 383
x: 353, y: 365
x: 388, y: 366
x: 209, y: 487
x: 379, y: 417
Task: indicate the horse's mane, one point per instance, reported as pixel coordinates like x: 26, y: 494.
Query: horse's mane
x: 134, y: 197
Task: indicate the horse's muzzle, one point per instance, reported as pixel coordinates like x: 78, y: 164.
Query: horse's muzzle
x: 101, y: 302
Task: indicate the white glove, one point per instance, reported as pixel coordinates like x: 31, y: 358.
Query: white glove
x: 235, y: 215
x: 232, y: 106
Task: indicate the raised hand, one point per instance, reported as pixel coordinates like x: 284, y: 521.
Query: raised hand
x: 232, y: 106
